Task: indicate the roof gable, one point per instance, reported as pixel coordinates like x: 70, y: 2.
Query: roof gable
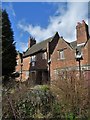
x: 71, y: 45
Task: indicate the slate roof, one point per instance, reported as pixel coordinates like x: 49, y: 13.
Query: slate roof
x: 73, y: 44
x: 41, y: 46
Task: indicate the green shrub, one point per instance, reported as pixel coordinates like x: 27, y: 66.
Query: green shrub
x: 70, y: 116
x: 38, y: 102
x: 43, y: 88
x: 56, y: 110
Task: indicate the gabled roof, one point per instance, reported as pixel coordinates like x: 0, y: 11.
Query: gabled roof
x: 41, y: 46
x: 73, y: 44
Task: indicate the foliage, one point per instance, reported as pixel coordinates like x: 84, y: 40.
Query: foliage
x: 70, y: 116
x: 72, y: 93
x: 43, y: 88
x: 36, y: 102
x: 0, y: 61
x: 56, y: 111
x: 65, y: 99
x: 8, y: 47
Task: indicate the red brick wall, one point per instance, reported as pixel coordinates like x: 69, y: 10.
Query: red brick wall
x: 69, y: 60
x: 18, y: 67
x: 25, y: 68
x: 56, y: 62
x: 26, y: 63
x: 88, y: 50
x: 82, y: 32
x: 39, y: 63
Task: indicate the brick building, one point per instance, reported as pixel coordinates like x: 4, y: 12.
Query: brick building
x: 41, y: 61
x: 69, y: 56
x: 19, y: 61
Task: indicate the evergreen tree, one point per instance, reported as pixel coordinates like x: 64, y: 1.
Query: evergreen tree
x: 8, y: 46
x: 0, y: 43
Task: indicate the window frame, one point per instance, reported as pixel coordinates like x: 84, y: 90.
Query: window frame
x: 61, y: 55
x: 33, y: 63
x: 33, y: 58
x: 44, y: 56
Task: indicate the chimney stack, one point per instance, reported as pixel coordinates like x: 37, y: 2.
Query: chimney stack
x: 31, y: 42
x: 82, y: 32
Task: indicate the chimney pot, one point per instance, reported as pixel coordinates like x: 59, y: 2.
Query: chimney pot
x: 31, y: 42
x: 78, y: 23
x: 83, y: 21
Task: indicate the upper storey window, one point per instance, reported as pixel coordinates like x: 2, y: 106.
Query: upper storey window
x: 44, y: 55
x: 61, y: 55
x: 33, y: 58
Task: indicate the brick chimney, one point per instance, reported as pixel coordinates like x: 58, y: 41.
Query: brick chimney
x: 82, y: 32
x: 31, y: 42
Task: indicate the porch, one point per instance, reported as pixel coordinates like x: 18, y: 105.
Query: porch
x: 39, y: 77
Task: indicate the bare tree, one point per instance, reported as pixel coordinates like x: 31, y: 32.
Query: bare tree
x: 72, y: 92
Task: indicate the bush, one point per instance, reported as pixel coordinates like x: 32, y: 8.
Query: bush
x: 38, y: 102
x: 72, y: 93
x: 70, y: 116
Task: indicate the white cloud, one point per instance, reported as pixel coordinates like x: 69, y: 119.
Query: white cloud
x: 22, y: 46
x: 64, y: 22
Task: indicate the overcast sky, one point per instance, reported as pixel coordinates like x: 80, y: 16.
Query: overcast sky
x: 43, y: 19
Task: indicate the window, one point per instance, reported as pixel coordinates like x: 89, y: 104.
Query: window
x: 33, y: 63
x: 61, y: 54
x: 33, y: 58
x: 44, y: 55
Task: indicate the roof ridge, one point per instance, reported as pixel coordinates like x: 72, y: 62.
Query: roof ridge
x: 73, y: 41
x: 40, y: 42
